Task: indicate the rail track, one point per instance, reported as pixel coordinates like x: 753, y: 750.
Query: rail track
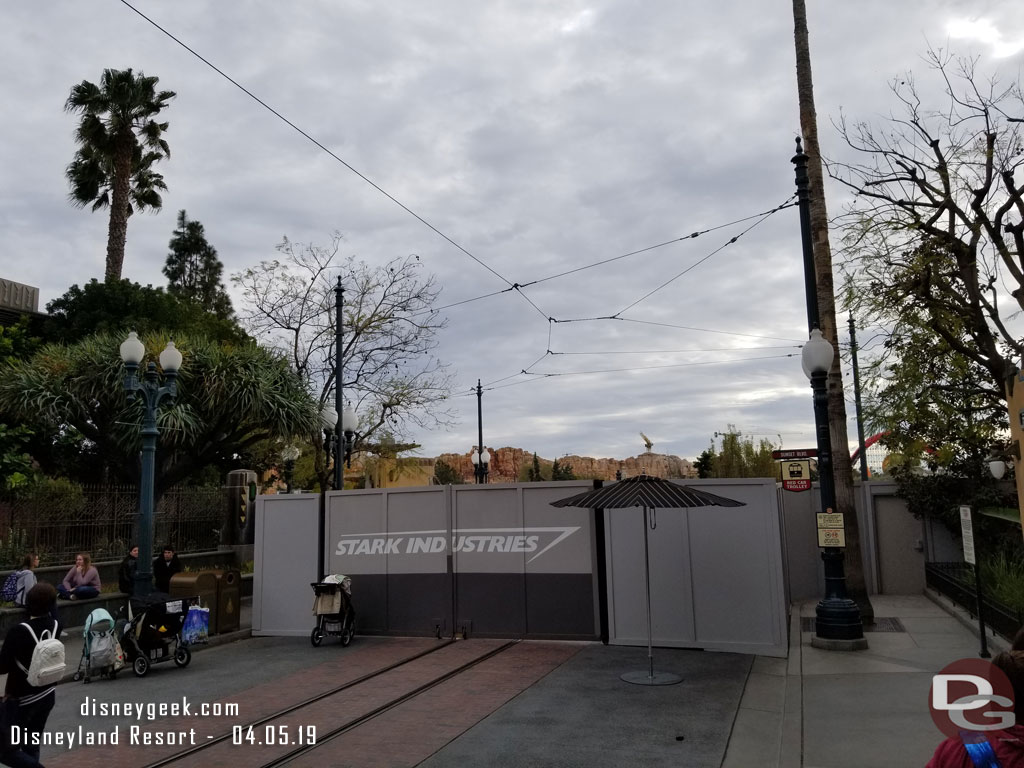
x: 299, y: 730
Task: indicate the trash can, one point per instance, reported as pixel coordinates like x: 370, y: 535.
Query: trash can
x: 229, y: 598
x: 201, y: 583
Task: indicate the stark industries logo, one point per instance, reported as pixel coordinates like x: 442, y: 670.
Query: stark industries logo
x: 971, y: 695
x: 533, y: 541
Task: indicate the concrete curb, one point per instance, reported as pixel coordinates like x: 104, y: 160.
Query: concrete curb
x: 996, y: 643
x: 791, y: 745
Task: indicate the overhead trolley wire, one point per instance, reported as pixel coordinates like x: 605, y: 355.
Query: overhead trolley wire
x: 308, y: 137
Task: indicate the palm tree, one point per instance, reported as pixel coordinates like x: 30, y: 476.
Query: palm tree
x: 841, y: 465
x: 119, y: 142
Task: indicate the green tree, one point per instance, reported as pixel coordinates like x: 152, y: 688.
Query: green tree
x: 121, y: 305
x: 704, y: 463
x: 533, y: 474
x: 445, y: 473
x: 561, y: 471
x: 193, y: 270
x: 119, y: 142
x: 230, y: 397
x: 739, y: 457
x: 934, y: 236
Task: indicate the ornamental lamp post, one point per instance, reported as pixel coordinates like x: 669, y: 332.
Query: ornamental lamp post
x: 289, y: 454
x: 481, y: 463
x: 334, y: 451
x: 837, y: 624
x: 150, y: 391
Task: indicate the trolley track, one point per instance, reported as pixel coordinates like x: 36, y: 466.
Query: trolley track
x: 248, y: 740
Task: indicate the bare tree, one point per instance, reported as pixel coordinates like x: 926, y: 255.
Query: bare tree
x: 934, y: 238
x: 389, y: 371
x: 842, y: 466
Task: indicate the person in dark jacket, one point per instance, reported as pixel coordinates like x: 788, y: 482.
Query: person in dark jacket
x: 28, y: 707
x: 164, y: 567
x: 126, y: 571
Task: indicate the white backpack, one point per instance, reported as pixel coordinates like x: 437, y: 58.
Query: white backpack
x: 47, y: 665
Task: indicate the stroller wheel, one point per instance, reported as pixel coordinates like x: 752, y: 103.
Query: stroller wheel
x: 112, y: 674
x: 316, y: 636
x: 140, y: 666
x: 182, y: 656
x: 77, y: 677
x: 348, y: 631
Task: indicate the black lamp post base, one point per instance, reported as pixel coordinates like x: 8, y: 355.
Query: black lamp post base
x: 837, y: 625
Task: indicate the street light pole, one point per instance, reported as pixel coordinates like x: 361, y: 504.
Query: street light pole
x: 837, y: 623
x: 152, y: 394
x: 339, y: 300
x: 479, y: 467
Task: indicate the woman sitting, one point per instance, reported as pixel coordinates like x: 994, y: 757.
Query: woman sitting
x: 82, y: 581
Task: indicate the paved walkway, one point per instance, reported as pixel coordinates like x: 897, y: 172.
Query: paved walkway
x: 830, y: 709
x: 815, y: 709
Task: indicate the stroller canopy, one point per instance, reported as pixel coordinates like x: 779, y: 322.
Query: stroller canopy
x: 99, y: 620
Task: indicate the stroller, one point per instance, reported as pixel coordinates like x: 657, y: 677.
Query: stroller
x: 152, y: 633
x: 99, y: 649
x: 332, y: 605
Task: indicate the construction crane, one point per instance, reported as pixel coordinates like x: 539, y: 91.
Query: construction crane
x: 647, y: 442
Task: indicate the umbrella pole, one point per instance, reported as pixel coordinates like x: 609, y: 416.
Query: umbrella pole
x: 648, y: 677
x: 647, y: 586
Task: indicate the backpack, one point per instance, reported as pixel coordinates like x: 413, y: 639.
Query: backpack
x: 101, y: 650
x: 10, y: 588
x: 47, y: 665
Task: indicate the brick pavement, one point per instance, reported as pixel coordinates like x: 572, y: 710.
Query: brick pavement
x: 340, y: 666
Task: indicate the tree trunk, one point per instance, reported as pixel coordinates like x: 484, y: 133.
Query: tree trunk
x: 842, y: 467
x: 117, y: 232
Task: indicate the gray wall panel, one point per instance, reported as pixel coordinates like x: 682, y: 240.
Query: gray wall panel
x: 284, y: 564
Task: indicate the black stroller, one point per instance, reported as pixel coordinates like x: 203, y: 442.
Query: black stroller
x: 332, y: 605
x: 152, y: 633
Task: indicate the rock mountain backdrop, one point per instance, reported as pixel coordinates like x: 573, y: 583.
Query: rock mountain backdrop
x: 510, y: 465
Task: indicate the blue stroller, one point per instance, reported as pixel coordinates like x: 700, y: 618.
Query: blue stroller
x: 99, y: 649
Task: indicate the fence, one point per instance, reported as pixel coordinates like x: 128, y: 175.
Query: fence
x: 956, y: 581
x: 101, y: 520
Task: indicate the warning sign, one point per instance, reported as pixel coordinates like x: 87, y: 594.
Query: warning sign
x: 831, y: 537
x: 830, y: 520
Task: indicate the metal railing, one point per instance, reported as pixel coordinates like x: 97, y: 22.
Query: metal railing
x: 956, y: 581
x: 101, y: 520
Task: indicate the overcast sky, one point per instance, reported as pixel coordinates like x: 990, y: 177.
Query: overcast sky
x: 540, y: 136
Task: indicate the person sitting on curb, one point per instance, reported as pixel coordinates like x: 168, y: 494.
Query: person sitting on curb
x: 26, y: 578
x: 1007, y: 746
x: 26, y: 707
x: 82, y: 581
x: 126, y: 571
x: 164, y: 567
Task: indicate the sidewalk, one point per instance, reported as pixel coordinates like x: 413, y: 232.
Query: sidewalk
x: 74, y: 639
x: 832, y: 709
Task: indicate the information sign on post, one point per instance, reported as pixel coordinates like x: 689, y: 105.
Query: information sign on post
x: 968, y: 535
x: 796, y: 475
x: 967, y: 529
x: 831, y: 529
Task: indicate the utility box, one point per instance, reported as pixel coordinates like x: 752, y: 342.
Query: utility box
x: 203, y: 584
x: 229, y: 598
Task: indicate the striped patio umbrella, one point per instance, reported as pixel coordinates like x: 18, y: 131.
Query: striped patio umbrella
x: 648, y: 493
